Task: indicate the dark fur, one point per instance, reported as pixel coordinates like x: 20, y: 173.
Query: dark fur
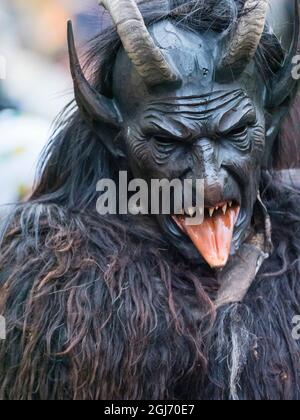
x: 103, y: 308
x: 253, y: 354
x: 99, y: 309
x: 288, y: 147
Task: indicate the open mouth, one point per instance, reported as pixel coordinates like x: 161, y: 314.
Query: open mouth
x: 213, y: 237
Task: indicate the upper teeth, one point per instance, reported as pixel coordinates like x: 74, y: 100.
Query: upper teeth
x: 211, y: 210
x: 191, y: 211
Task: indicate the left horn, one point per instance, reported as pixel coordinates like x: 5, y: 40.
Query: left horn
x: 246, y: 38
x: 138, y: 43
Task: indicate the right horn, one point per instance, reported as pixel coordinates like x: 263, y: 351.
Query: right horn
x: 137, y: 42
x: 246, y: 38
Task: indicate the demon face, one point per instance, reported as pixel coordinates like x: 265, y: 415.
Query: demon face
x: 193, y: 105
x: 202, y: 129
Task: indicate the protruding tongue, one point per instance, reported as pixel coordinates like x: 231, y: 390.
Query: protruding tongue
x: 214, y: 236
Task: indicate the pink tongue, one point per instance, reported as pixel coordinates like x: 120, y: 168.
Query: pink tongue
x: 213, y: 237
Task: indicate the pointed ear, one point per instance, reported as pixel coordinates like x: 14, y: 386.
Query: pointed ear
x: 282, y: 135
x: 274, y: 119
x: 101, y: 113
x: 282, y: 114
x: 283, y: 85
x: 287, y: 148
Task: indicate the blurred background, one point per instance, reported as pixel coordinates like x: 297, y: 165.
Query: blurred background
x: 35, y: 84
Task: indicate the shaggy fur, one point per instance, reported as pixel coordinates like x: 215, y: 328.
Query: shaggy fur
x: 252, y: 352
x: 102, y: 308
x: 97, y: 309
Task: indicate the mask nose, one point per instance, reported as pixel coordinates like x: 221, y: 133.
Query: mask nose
x: 214, y: 188
x: 210, y: 169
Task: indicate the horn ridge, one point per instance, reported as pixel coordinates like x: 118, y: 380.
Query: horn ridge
x: 138, y: 43
x: 246, y: 38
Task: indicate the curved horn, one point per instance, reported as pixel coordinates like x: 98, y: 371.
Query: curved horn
x: 137, y: 42
x: 247, y: 35
x: 95, y: 106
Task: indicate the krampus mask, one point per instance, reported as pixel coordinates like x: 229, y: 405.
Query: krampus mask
x: 184, y: 101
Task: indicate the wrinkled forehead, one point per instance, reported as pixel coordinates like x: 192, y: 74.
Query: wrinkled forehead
x: 193, y: 55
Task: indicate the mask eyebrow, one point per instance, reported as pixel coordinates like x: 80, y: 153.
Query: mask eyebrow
x: 197, y: 100
x: 195, y: 105
x: 233, y: 118
x: 203, y: 112
x: 183, y: 121
x: 168, y: 128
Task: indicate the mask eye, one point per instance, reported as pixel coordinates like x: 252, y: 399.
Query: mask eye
x: 164, y: 141
x: 163, y: 145
x: 238, y: 132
